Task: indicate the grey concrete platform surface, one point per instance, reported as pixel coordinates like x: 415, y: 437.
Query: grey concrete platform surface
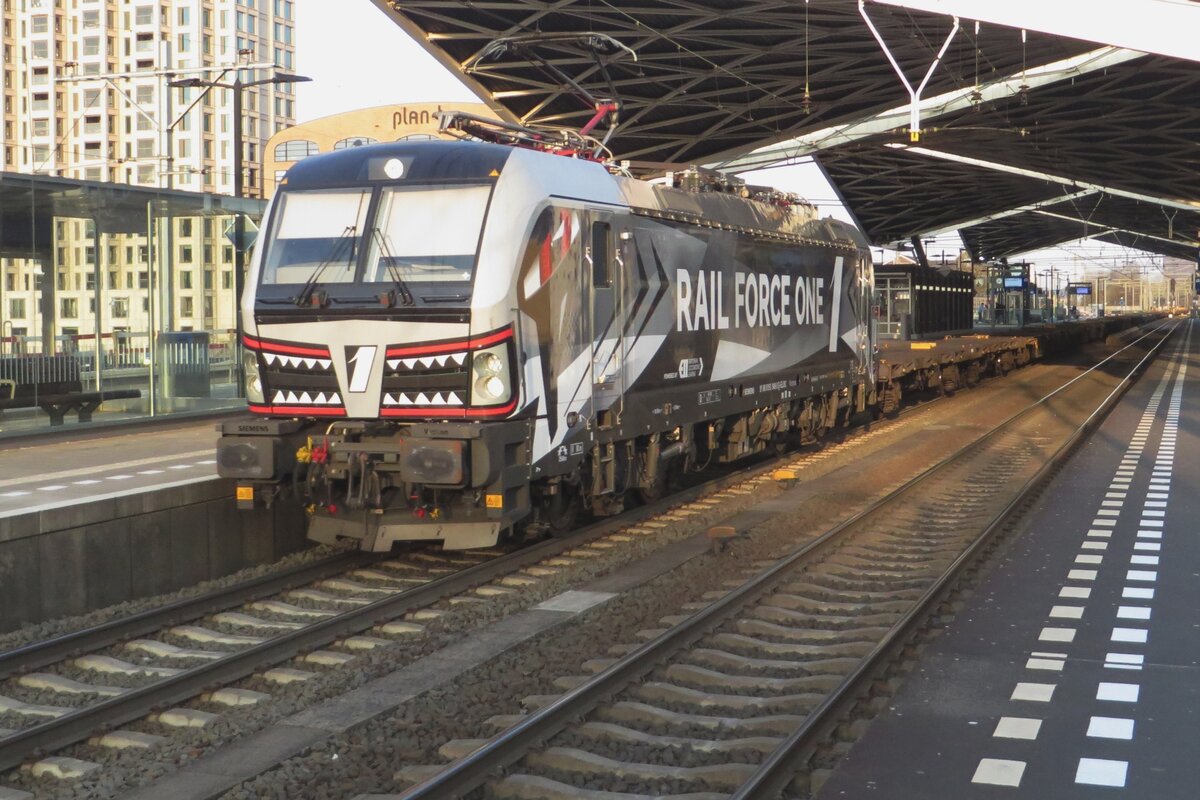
x: 1074, y: 669
x: 38, y: 475
x: 86, y: 523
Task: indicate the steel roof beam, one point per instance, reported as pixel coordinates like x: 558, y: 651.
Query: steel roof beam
x: 1165, y: 27
x: 1116, y: 229
x: 1052, y: 201
x: 1183, y: 205
x: 931, y: 108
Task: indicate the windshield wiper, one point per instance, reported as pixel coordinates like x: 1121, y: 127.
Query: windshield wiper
x: 405, y: 295
x: 445, y: 298
x: 349, y: 235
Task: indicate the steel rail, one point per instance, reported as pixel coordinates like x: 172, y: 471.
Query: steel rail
x: 774, y: 774
x: 39, y: 654
x: 472, y: 770
x: 136, y: 703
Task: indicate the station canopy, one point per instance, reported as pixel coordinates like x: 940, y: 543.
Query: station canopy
x: 1027, y: 138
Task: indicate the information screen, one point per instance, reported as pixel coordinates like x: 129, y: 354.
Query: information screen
x: 1014, y: 283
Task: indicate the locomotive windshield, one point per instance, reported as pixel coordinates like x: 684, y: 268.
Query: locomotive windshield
x: 427, y: 234
x: 421, y: 240
x: 316, y: 232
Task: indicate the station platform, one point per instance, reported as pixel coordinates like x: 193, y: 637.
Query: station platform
x: 40, y: 475
x: 83, y: 515
x: 1073, y: 671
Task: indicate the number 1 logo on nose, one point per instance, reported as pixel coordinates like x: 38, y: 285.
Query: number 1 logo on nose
x: 359, y: 366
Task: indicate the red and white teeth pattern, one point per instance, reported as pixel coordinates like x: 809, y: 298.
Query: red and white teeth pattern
x: 296, y: 361
x: 427, y: 362
x: 437, y: 399
x: 282, y: 398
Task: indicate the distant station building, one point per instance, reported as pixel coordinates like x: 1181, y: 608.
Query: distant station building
x: 353, y: 129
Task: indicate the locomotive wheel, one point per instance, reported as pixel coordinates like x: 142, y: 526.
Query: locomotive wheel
x: 661, y: 486
x: 561, y: 511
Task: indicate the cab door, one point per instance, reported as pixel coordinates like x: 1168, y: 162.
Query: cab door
x: 605, y: 264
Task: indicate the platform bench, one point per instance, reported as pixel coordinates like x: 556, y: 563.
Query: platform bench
x: 54, y: 384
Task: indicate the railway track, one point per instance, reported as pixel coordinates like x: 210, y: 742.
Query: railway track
x: 85, y: 685
x: 734, y: 699
x: 88, y: 683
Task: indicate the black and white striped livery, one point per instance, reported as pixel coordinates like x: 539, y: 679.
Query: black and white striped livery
x: 452, y: 340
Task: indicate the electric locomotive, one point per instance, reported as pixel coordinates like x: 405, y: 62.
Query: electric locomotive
x: 455, y: 341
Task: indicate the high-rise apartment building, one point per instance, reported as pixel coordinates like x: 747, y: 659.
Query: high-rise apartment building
x: 86, y: 90
x: 88, y: 94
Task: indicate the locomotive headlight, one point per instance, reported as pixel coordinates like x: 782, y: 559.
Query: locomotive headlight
x: 254, y: 387
x: 488, y: 364
x: 490, y: 380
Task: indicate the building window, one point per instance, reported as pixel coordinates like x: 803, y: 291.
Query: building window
x: 16, y: 307
x: 143, y: 15
x: 91, y: 45
x: 354, y: 141
x: 39, y: 24
x: 185, y: 257
x: 41, y: 127
x: 185, y: 280
x: 295, y: 150
x: 40, y: 49
x: 68, y: 308
x: 91, y: 20
x: 186, y: 309
x: 120, y: 307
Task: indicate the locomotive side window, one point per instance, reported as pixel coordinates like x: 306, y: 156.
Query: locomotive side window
x: 601, y: 278
x: 313, y: 231
x: 427, y: 234
x: 555, y: 242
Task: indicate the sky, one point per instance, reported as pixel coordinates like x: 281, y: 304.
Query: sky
x: 357, y: 58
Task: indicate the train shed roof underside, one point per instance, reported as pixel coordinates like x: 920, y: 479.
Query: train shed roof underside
x: 1025, y: 144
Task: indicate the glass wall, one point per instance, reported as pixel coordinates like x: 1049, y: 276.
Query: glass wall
x: 124, y: 291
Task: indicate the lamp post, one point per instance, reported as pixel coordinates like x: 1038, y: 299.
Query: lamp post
x: 239, y: 222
